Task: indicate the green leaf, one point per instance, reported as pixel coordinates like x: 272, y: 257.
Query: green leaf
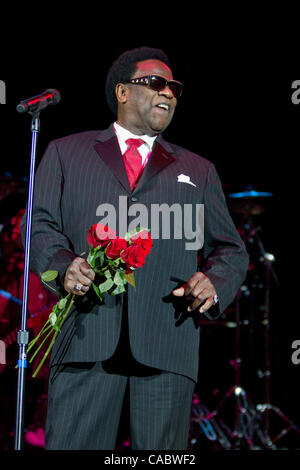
x: 55, y: 308
x: 99, y: 258
x: 118, y: 290
x: 130, y: 278
x: 48, y: 276
x: 118, y: 279
x: 62, y: 303
x: 91, y: 257
x: 96, y: 289
x: 107, y: 274
x: 106, y: 285
x: 52, y: 318
x: 122, y: 273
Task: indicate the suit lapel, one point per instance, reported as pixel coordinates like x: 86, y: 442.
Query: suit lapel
x: 159, y: 159
x: 108, y: 149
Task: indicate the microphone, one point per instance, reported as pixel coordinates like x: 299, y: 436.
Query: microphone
x: 39, y: 102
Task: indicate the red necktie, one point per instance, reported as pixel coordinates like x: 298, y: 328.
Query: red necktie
x: 133, y: 161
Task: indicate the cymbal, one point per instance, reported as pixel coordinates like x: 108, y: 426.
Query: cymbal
x: 250, y: 193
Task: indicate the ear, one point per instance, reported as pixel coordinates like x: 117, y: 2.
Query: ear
x: 121, y: 91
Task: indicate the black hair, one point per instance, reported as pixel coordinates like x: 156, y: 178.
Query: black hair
x: 124, y: 67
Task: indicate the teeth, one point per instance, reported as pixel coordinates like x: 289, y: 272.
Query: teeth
x: 163, y: 106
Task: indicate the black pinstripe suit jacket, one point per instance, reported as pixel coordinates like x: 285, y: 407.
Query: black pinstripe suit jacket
x: 82, y: 171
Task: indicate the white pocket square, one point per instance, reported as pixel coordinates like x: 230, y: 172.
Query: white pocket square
x: 185, y: 179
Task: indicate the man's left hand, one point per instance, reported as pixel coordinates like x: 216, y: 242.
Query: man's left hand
x: 199, y: 291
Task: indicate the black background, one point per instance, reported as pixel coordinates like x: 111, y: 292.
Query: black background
x: 237, y: 65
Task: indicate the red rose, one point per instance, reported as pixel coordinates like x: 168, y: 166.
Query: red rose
x: 100, y: 234
x: 114, y: 248
x: 144, y: 240
x: 134, y: 256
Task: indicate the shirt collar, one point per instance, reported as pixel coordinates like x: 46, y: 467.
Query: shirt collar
x: 124, y: 134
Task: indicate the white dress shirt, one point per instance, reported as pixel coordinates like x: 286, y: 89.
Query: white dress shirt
x: 124, y: 134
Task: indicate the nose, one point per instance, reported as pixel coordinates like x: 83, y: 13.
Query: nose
x: 167, y: 92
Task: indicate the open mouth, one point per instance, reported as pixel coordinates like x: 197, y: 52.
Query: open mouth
x: 163, y: 107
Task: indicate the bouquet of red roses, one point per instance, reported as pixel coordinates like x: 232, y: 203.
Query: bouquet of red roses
x: 113, y: 259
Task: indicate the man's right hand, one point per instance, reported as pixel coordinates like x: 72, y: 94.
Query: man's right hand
x: 79, y: 273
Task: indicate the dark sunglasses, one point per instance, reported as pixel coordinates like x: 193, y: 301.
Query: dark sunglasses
x: 157, y: 83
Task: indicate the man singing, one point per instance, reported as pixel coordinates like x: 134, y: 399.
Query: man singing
x: 145, y: 341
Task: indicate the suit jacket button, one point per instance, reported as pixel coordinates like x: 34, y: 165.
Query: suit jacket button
x: 134, y: 198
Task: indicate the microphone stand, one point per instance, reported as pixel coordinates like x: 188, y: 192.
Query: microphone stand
x: 22, y: 338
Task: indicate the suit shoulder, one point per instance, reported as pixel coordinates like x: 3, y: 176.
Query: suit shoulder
x: 72, y: 147
x: 84, y: 137
x: 197, y: 159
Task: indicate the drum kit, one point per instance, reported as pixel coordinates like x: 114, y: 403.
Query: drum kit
x: 249, y: 426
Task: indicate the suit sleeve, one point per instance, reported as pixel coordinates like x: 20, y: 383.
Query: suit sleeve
x: 225, y: 259
x: 50, y: 248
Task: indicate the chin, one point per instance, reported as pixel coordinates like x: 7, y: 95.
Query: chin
x: 157, y: 128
